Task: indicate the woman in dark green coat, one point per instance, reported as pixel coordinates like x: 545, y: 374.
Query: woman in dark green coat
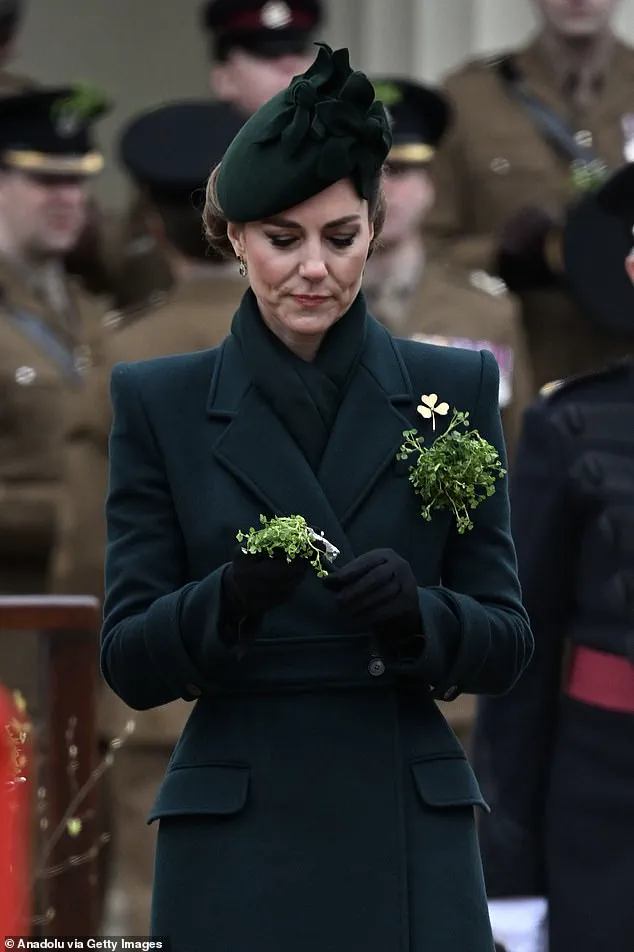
x: 317, y: 798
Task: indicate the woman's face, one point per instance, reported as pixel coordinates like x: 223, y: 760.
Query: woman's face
x: 305, y: 266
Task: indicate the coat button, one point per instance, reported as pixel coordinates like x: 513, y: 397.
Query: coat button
x: 450, y: 694
x: 376, y: 667
x: 192, y: 689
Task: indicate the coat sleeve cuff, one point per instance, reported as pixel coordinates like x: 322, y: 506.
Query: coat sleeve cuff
x: 453, y: 644
x: 194, y: 654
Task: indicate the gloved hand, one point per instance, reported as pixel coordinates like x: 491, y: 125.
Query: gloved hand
x: 255, y: 584
x: 523, y: 259
x: 378, y: 591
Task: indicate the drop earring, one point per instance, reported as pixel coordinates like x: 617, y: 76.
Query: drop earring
x: 243, y: 267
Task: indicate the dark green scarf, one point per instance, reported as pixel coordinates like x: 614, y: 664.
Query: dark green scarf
x: 304, y: 395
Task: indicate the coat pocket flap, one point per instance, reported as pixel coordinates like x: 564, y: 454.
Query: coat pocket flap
x: 448, y: 782
x: 213, y: 789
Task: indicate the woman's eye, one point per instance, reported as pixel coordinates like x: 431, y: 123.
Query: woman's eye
x: 281, y: 241
x: 343, y: 241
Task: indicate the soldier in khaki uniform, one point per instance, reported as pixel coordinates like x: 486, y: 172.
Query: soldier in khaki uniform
x: 169, y: 152
x: 497, y: 162
x: 256, y: 47
x: 438, y: 302
x: 47, y: 158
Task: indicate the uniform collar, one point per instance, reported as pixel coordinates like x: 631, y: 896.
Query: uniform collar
x: 391, y: 279
x: 548, y: 62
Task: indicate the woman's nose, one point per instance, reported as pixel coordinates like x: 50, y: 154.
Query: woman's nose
x: 313, y: 269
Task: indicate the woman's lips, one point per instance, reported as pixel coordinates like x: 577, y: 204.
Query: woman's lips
x: 310, y: 300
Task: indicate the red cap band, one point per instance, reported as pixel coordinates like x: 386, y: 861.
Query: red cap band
x: 252, y: 20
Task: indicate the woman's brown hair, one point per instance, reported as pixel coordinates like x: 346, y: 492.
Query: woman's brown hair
x: 216, y: 224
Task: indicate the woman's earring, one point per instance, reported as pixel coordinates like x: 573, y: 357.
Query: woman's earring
x: 243, y: 267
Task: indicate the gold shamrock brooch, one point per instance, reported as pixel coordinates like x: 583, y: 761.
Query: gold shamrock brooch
x: 429, y: 407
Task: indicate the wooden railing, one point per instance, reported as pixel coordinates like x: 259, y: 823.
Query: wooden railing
x: 67, y: 751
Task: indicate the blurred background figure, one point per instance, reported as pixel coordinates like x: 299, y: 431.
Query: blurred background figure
x: 555, y: 757
x: 47, y: 159
x: 168, y: 152
x: 438, y: 301
x: 533, y: 127
x: 257, y: 46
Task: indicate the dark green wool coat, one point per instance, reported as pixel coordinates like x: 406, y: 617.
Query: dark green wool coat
x: 309, y: 805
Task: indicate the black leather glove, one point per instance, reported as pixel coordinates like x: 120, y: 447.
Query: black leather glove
x: 378, y: 591
x: 523, y: 260
x: 255, y: 584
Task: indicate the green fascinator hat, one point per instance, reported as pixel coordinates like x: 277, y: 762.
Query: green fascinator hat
x: 325, y: 126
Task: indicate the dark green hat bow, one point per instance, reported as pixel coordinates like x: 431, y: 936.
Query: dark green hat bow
x: 325, y: 126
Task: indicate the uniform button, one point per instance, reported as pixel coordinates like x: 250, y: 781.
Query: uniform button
x: 450, y: 694
x: 609, y: 529
x: 112, y: 318
x: 575, y: 421
x: 376, y: 667
x: 25, y: 376
x: 623, y: 591
x: 192, y: 689
x: 594, y: 472
x: 83, y: 358
x: 584, y: 138
x: 500, y: 166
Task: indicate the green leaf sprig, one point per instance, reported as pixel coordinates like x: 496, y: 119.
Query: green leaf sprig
x: 292, y: 535
x: 458, y: 471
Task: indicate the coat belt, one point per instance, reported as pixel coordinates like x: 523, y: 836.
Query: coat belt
x: 290, y: 664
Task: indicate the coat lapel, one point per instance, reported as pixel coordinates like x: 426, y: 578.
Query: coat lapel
x: 369, y: 427
x: 257, y: 450
x: 254, y: 446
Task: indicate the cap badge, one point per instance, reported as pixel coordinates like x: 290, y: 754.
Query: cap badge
x: 67, y: 124
x: 71, y: 113
x: 275, y: 15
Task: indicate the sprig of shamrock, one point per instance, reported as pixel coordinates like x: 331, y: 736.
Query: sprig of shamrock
x: 290, y: 534
x: 457, y: 472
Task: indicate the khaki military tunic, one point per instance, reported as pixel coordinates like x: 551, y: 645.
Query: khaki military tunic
x: 195, y: 315
x: 42, y: 360
x: 494, y: 161
x: 443, y: 303
x: 473, y: 309
x: 137, y: 267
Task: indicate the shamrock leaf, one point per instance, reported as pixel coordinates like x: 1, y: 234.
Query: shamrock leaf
x: 294, y: 537
x: 458, y: 471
